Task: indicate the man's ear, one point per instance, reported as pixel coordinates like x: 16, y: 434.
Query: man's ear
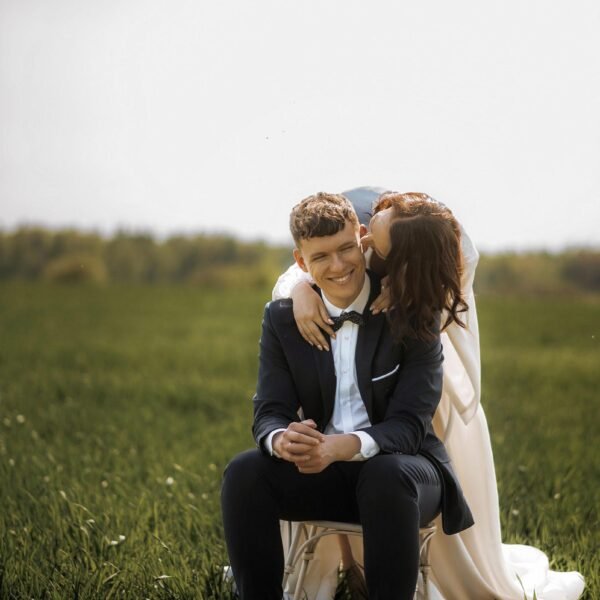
x: 300, y: 260
x: 362, y: 230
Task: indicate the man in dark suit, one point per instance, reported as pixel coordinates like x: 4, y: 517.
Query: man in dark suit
x: 364, y: 449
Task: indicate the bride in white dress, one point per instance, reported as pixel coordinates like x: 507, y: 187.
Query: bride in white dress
x: 474, y: 564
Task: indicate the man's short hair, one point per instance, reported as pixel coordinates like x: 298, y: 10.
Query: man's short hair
x: 319, y: 215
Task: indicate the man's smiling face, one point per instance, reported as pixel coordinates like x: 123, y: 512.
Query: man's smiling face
x: 336, y: 263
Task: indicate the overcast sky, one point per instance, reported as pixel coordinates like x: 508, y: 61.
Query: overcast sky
x: 200, y: 116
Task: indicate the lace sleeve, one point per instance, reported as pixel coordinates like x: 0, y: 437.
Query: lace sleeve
x: 288, y: 280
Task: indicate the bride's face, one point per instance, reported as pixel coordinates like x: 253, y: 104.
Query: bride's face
x: 378, y: 237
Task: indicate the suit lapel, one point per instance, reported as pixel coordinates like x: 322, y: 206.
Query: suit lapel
x: 368, y: 338
x: 327, y: 378
x: 327, y: 381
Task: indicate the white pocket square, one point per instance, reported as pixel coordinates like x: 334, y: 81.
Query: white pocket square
x: 387, y: 374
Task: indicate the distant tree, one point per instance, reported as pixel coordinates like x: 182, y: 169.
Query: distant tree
x: 26, y: 252
x: 132, y: 258
x: 583, y: 270
x: 496, y: 273
x: 76, y: 269
x: 69, y: 242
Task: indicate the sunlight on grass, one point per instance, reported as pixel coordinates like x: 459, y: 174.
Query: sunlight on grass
x: 120, y: 407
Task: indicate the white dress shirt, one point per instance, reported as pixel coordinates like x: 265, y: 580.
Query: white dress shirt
x: 349, y: 411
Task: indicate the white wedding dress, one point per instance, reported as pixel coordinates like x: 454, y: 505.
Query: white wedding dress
x: 473, y: 564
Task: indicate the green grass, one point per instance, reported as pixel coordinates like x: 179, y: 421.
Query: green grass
x: 120, y: 406
x: 541, y: 391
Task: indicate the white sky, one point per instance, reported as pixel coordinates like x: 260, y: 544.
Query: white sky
x: 198, y: 115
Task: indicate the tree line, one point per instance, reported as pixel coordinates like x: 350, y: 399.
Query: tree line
x: 72, y: 256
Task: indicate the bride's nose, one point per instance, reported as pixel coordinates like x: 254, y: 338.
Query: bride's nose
x: 366, y: 241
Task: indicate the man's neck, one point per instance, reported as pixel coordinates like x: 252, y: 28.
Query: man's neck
x: 358, y: 303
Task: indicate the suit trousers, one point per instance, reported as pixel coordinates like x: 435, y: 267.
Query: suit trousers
x: 390, y: 495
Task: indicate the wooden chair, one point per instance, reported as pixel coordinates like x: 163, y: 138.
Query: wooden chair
x: 303, y: 551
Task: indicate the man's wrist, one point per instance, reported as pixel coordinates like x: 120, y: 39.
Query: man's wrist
x: 270, y: 442
x: 345, y: 446
x: 274, y: 443
x: 368, y: 446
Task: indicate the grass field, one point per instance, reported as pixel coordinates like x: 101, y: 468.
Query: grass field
x: 120, y: 406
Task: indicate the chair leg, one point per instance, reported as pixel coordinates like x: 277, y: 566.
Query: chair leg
x: 307, y: 550
x: 424, y: 566
x: 294, y: 542
x: 425, y: 574
x: 307, y: 556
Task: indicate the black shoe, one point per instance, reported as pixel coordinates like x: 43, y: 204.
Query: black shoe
x: 356, y: 584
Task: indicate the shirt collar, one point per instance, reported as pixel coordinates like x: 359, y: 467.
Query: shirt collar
x: 359, y: 303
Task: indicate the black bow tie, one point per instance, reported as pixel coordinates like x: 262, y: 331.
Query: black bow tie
x: 352, y: 316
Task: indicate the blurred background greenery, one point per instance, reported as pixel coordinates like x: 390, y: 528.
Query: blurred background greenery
x: 124, y: 394
x: 32, y: 253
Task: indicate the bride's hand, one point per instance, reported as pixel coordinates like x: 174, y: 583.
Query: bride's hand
x: 383, y: 301
x: 310, y: 314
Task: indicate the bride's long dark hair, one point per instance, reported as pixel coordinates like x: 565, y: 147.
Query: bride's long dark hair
x: 424, y: 265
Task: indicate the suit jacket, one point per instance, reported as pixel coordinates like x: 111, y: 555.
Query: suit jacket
x: 400, y: 384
